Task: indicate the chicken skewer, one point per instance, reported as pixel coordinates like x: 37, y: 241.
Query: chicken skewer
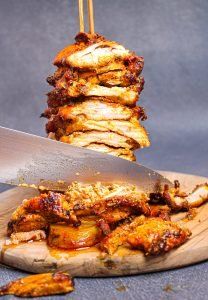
x: 81, y: 16
x: 87, y: 78
x: 95, y: 89
x: 91, y: 16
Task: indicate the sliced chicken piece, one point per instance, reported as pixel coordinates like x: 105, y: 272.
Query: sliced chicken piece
x: 128, y: 94
x: 119, y: 152
x: 155, y: 236
x: 198, y: 196
x: 130, y: 129
x: 181, y: 201
x: 152, y: 235
x: 84, y: 196
x: 97, y: 55
x: 53, y: 207
x: 34, y: 235
x: 83, y: 40
x: 120, y: 73
x: 137, y: 202
x: 28, y: 222
x: 94, y: 109
x: 119, y: 236
x: 115, y: 208
x: 116, y: 78
x: 83, y: 139
x: 60, y: 97
x: 98, y: 111
x: 39, y: 285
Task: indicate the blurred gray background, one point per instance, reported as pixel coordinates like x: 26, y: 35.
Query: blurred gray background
x: 172, y: 36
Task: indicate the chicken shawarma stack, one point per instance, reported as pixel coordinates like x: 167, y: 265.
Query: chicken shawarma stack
x: 93, y: 103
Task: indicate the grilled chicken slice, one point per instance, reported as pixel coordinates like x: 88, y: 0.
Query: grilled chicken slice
x: 68, y: 237
x: 128, y: 95
x: 118, y: 237
x: 98, y: 111
x: 155, y: 236
x: 84, y: 193
x: 39, y: 285
x: 114, y: 215
x: 97, y: 55
x: 130, y: 129
x: 137, y: 202
x: 60, y: 97
x: 26, y: 223
x: 152, y: 235
x: 53, y: 207
x: 120, y: 73
x: 83, y: 40
x: 84, y: 139
x: 119, y: 152
x: 34, y: 235
x: 97, y: 198
x: 198, y: 196
x: 179, y: 200
x: 115, y: 208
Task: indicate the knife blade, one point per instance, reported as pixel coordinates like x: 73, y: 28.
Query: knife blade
x: 30, y: 159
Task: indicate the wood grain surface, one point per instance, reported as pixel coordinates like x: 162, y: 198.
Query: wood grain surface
x: 37, y: 257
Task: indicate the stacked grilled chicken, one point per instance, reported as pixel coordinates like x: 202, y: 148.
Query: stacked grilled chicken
x: 93, y: 103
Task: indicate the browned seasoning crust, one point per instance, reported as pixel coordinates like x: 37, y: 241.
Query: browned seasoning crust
x: 39, y: 285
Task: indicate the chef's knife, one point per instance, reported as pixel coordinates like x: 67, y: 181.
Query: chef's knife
x: 30, y: 159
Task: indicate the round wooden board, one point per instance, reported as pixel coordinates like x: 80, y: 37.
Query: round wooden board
x: 37, y: 257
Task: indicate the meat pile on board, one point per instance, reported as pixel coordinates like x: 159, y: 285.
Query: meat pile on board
x: 93, y: 102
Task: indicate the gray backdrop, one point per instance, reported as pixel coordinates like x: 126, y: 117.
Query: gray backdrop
x: 172, y: 36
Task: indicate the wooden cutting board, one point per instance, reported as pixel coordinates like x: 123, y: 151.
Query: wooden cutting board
x: 37, y: 257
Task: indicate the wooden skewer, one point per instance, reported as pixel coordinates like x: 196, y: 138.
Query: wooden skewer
x: 81, y: 16
x: 91, y: 16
